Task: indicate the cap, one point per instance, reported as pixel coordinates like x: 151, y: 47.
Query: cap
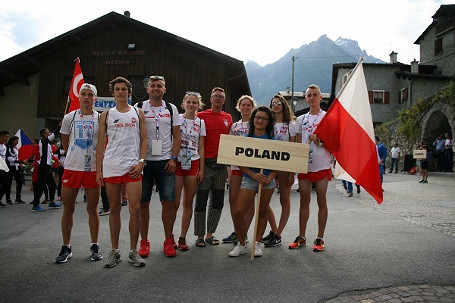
x: 89, y: 87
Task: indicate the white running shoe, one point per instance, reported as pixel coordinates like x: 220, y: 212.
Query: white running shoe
x: 237, y: 251
x: 258, y: 250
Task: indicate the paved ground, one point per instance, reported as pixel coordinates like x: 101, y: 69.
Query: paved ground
x: 400, y: 251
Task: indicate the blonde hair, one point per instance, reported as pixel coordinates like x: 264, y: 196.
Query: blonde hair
x: 197, y: 95
x: 253, y: 103
x: 314, y: 86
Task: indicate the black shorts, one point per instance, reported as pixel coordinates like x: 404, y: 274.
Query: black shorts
x: 424, y: 164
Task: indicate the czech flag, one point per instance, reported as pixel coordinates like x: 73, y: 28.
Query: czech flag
x: 347, y: 132
x: 25, y: 145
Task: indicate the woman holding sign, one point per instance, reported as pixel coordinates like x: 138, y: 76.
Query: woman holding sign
x: 260, y: 126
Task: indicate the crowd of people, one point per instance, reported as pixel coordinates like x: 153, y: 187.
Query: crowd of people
x: 151, y: 147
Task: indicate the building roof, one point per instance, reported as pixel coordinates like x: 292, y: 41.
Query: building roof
x: 19, y: 67
x: 443, y: 11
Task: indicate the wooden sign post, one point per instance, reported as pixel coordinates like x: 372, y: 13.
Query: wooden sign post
x: 263, y: 154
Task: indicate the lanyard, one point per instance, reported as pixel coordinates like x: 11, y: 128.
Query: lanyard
x: 157, y: 119
x: 186, y: 132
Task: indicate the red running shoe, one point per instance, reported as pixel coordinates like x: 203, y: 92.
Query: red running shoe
x: 168, y: 248
x: 298, y: 242
x: 144, y: 249
x: 318, y: 244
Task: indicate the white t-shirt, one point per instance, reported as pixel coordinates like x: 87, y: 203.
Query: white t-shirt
x: 123, y: 145
x: 3, y: 152
x: 83, y: 136
x: 319, y: 158
x: 394, y: 152
x: 284, y: 130
x: 191, y: 131
x: 163, y: 116
x: 239, y: 128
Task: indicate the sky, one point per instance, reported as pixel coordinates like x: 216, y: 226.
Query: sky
x: 259, y: 30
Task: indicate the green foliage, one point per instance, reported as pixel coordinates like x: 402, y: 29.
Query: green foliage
x: 411, y: 118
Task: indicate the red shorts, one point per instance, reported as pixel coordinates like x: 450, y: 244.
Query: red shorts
x: 192, y: 172
x: 236, y: 172
x: 122, y: 179
x: 78, y: 179
x: 316, y: 176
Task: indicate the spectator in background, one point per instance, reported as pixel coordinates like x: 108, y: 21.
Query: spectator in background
x: 395, y: 154
x: 448, y: 153
x: 44, y: 172
x: 15, y: 169
x: 382, y: 154
x: 440, y: 152
x: 4, y: 135
x: 424, y: 165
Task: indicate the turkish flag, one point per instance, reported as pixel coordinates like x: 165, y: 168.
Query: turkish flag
x: 76, y: 83
x: 347, y: 132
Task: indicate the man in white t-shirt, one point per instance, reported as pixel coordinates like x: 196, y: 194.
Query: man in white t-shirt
x: 395, y: 153
x: 79, y: 137
x: 319, y: 171
x: 163, y: 139
x: 4, y: 135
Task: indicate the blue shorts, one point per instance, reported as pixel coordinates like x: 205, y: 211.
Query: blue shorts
x: 249, y: 183
x: 155, y: 174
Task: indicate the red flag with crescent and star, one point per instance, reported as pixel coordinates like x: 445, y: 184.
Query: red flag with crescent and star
x: 76, y: 83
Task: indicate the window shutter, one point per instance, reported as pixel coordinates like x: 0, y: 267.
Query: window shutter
x: 386, y: 97
x: 406, y: 94
x: 370, y: 96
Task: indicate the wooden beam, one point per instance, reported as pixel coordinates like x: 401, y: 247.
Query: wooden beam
x: 15, y: 77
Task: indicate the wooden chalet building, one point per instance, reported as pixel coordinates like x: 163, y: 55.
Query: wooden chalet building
x: 34, y: 84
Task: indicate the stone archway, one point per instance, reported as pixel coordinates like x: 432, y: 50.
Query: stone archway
x: 438, y: 120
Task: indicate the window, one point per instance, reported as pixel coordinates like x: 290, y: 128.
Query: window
x: 378, y: 97
x: 403, y: 96
x: 345, y: 77
x: 438, y: 46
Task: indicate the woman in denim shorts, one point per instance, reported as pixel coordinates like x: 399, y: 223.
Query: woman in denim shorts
x: 260, y: 126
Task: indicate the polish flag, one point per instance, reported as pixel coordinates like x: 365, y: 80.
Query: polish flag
x: 76, y: 83
x: 25, y: 145
x: 347, y: 132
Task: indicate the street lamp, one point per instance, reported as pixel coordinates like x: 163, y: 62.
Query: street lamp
x: 292, y: 89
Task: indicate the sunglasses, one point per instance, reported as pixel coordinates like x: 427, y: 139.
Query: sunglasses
x: 276, y: 103
x: 197, y: 94
x: 156, y: 78
x: 218, y: 96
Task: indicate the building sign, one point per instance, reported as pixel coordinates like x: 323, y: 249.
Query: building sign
x: 260, y: 153
x: 105, y: 103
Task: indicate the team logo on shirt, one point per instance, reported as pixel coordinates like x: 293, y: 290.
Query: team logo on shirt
x: 226, y: 122
x: 133, y: 120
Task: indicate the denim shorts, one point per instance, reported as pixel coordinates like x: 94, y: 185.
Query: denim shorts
x: 249, y: 183
x: 155, y: 174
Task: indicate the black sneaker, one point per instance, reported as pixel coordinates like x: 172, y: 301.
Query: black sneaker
x: 95, y: 253
x: 64, y: 255
x: 268, y: 237
x: 275, y: 241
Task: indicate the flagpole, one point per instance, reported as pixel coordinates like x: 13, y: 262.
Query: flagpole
x: 349, y: 77
x: 256, y: 215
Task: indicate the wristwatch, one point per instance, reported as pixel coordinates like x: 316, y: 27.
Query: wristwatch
x: 174, y: 158
x: 143, y: 161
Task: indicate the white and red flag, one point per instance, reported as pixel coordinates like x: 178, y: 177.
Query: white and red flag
x: 25, y: 145
x: 347, y: 132
x: 76, y: 83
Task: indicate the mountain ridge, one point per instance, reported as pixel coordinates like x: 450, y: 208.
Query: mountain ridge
x: 313, y: 64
